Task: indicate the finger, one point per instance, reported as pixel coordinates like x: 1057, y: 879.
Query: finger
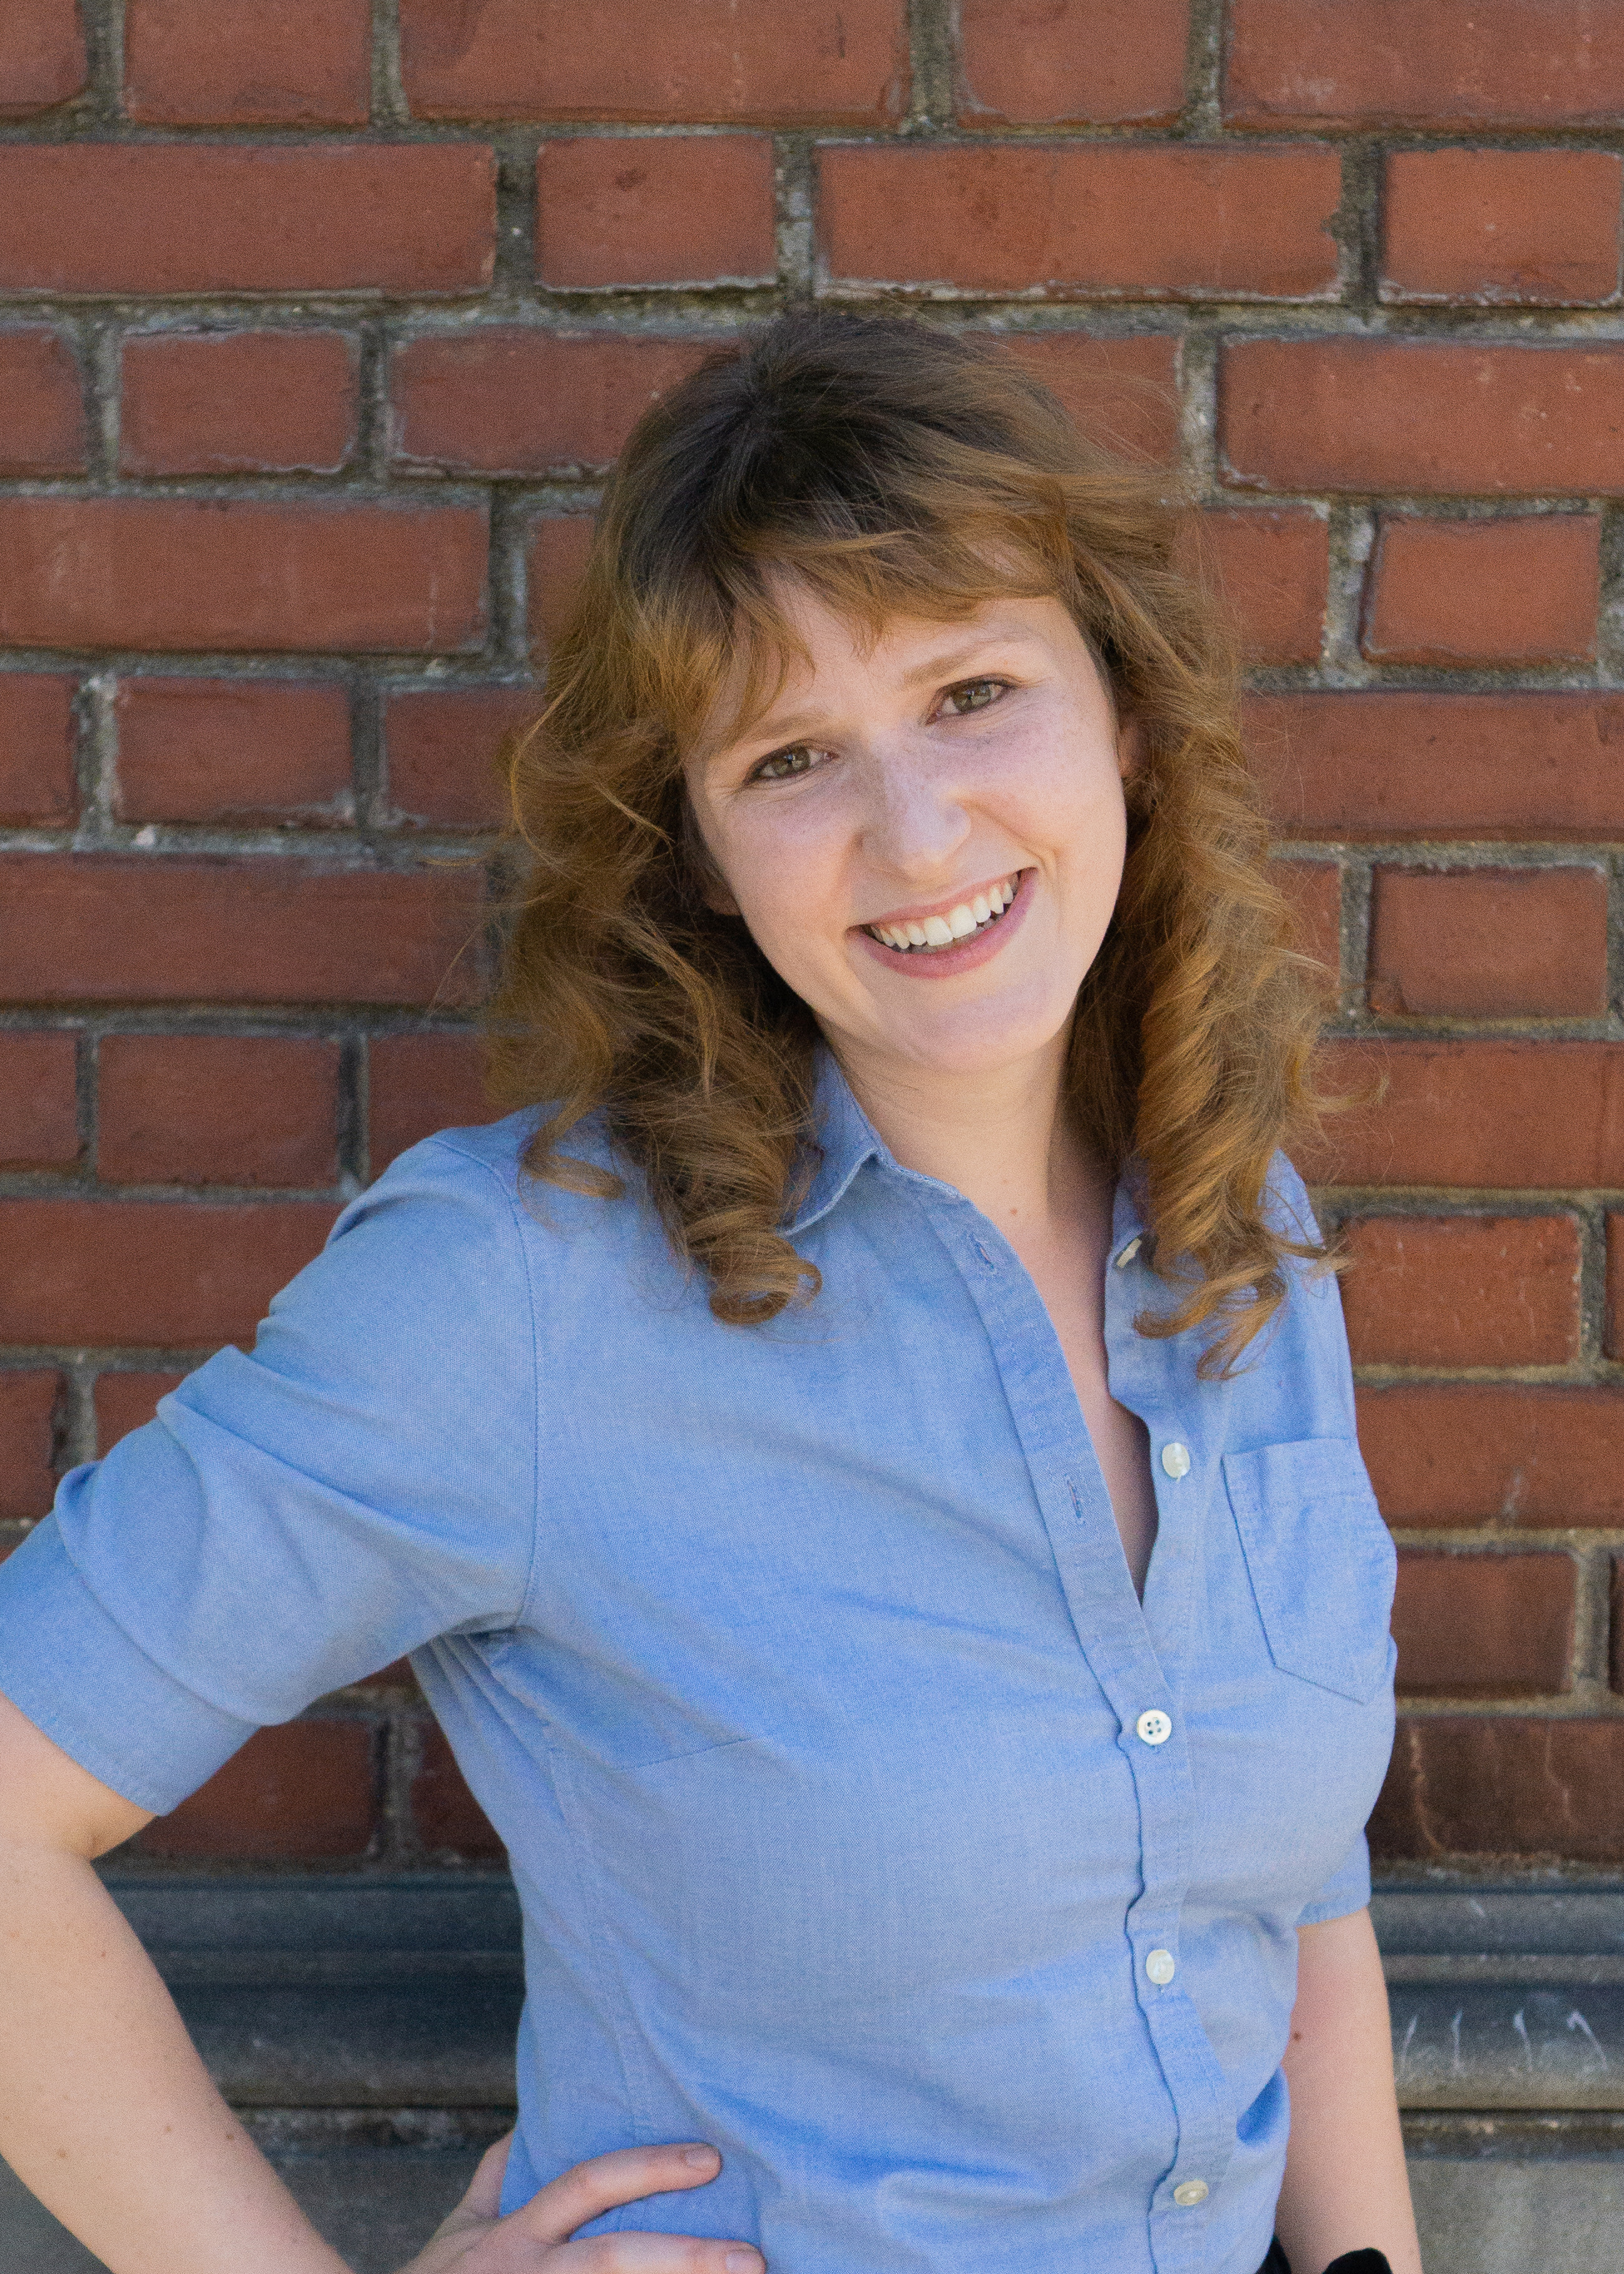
x: 483, y: 2198
x: 603, y: 2182
x: 655, y: 2253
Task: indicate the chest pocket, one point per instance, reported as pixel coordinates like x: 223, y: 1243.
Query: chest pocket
x: 1320, y: 1560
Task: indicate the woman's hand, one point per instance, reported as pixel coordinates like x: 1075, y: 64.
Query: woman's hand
x: 476, y: 2239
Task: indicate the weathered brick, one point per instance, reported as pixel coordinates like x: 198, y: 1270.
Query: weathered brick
x: 655, y: 209
x: 445, y: 1815
x: 125, y: 1399
x: 1070, y: 62
x: 153, y: 1273
x: 1524, y: 590
x: 1509, y: 1116
x: 1538, y: 228
x: 1463, y: 1290
x: 558, y: 547
x: 442, y: 745
x: 38, y: 784
x: 1454, y: 418
x: 217, y: 1110
x: 1271, y: 570
x: 39, y: 1104
x: 115, y: 217
x: 1490, y: 943
x: 31, y: 1402
x: 419, y: 1084
x: 1615, y: 1634
x: 226, y: 750
x: 1483, y: 1626
x: 1314, y: 889
x: 177, y: 574
x: 41, y: 402
x: 128, y: 929
x: 789, y: 63
x: 1440, y: 765
x: 521, y: 401
x: 205, y: 403
x: 1088, y: 219
x: 302, y: 1792
x: 42, y: 57
x: 237, y: 63
x: 1615, y: 1286
x: 1498, y: 1453
x: 1512, y: 1785
x: 1352, y: 62
x: 1122, y: 392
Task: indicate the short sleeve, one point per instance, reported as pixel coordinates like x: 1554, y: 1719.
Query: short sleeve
x: 1348, y: 1889
x: 296, y: 1519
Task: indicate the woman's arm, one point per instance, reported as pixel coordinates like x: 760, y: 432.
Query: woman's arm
x: 1345, y: 2187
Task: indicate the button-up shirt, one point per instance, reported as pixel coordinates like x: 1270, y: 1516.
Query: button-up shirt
x: 866, y: 1823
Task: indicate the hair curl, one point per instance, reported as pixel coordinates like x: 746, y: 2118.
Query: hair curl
x: 894, y: 468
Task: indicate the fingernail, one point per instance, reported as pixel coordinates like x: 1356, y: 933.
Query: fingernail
x: 700, y: 2156
x: 742, y: 2261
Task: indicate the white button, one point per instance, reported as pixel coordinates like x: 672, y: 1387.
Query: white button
x: 1162, y: 1966
x: 1175, y: 1459
x: 1153, y: 1726
x: 1125, y: 1254
x: 1188, y: 2193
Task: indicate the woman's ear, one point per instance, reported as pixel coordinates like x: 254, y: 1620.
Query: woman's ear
x: 1130, y: 747
x: 707, y: 878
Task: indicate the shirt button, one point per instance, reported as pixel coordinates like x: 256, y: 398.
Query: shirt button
x: 1175, y: 1459
x: 1153, y: 1726
x: 1162, y: 1966
x: 1127, y: 1253
x: 1188, y: 2193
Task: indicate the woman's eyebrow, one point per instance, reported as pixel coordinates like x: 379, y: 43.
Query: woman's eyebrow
x: 951, y: 664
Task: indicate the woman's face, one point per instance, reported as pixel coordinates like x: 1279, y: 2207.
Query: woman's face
x: 925, y: 834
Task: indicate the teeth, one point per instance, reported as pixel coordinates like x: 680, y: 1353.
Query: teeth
x: 937, y: 934
x: 916, y: 935
x: 959, y: 922
x: 980, y: 908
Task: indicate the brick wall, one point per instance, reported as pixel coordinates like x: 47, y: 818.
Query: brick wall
x: 319, y: 324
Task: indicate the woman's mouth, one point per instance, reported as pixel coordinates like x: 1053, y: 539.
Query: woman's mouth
x: 934, y: 934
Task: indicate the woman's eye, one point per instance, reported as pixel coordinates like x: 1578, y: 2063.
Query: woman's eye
x: 973, y: 695
x: 783, y: 766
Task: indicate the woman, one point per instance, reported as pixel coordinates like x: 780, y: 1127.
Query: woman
x: 867, y: 1468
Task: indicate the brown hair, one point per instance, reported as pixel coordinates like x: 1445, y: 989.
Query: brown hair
x: 895, y: 468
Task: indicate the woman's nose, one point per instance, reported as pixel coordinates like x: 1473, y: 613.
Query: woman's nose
x: 917, y: 818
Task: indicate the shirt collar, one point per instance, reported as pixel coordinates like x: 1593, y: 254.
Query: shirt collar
x: 846, y: 1139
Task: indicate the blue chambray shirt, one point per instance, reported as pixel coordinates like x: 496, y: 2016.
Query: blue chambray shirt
x: 848, y: 1788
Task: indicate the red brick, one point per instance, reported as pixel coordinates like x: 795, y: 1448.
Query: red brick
x: 237, y: 63
x: 126, y: 1401
x: 442, y: 745
x: 217, y: 1110
x: 181, y: 574
x: 447, y: 1818
x: 1349, y: 63
x: 1523, y: 591
x: 1535, y: 227
x: 1070, y: 62
x: 1477, y: 1453
x: 37, y: 781
x: 30, y: 1412
x: 1271, y: 570
x: 1452, y: 418
x: 1615, y: 1637
x: 1615, y: 1286
x: 229, y: 750
x: 42, y: 403
x: 158, y: 1273
x: 1463, y: 1290
x: 1314, y: 889
x: 509, y: 402
x: 230, y: 402
x: 560, y: 544
x: 1490, y: 943
x: 1512, y: 1785
x: 1509, y: 1116
x: 117, y: 928
x: 1440, y: 765
x: 1122, y: 392
x: 1483, y: 1626
x: 790, y: 63
x: 1088, y: 219
x: 42, y: 58
x: 420, y: 1084
x: 39, y: 1104
x: 661, y: 209
x: 111, y: 217
x: 303, y: 1792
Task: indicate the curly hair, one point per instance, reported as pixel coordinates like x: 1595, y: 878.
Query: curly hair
x: 892, y: 468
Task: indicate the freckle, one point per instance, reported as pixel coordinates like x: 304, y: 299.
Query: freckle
x: 61, y: 2154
